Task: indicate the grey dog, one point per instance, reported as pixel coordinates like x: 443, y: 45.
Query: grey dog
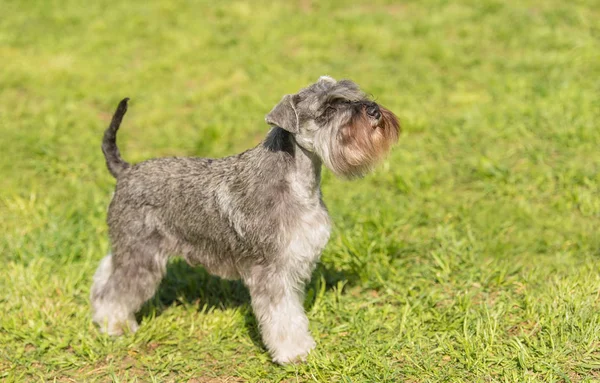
x: 256, y: 216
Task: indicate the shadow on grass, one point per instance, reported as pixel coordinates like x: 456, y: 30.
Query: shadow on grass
x: 186, y: 285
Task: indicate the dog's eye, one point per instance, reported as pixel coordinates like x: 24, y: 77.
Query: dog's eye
x: 341, y: 101
x: 330, y: 110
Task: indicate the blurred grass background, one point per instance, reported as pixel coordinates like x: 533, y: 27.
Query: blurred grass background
x: 471, y: 254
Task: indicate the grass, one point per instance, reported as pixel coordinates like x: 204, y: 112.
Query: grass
x: 472, y: 254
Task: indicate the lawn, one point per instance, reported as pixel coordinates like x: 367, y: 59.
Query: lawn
x: 472, y: 254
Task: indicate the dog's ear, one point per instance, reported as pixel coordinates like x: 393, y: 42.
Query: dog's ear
x: 284, y: 115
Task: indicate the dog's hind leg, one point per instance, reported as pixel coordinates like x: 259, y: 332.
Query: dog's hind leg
x: 123, y: 282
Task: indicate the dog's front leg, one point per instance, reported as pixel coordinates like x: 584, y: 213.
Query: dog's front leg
x: 277, y: 301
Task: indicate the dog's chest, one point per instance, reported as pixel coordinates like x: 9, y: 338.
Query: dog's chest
x: 307, y: 234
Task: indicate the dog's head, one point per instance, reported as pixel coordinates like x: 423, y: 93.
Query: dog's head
x: 339, y: 123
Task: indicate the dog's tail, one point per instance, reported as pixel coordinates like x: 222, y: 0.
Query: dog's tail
x: 116, y: 165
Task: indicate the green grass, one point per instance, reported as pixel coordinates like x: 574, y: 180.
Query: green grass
x: 472, y: 254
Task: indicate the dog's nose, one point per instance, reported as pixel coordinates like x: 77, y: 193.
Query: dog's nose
x: 373, y: 111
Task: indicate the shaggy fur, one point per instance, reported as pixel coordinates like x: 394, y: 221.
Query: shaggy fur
x: 258, y: 215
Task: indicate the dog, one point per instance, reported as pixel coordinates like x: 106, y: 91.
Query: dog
x: 257, y: 216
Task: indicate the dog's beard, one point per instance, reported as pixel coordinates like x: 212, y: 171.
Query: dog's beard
x: 353, y: 149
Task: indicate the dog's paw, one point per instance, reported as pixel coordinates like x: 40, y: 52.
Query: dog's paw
x: 115, y: 328
x: 293, y: 352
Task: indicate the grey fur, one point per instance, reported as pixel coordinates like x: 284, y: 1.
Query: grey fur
x: 258, y: 216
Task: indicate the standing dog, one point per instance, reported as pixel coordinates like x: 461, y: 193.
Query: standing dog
x: 258, y: 215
